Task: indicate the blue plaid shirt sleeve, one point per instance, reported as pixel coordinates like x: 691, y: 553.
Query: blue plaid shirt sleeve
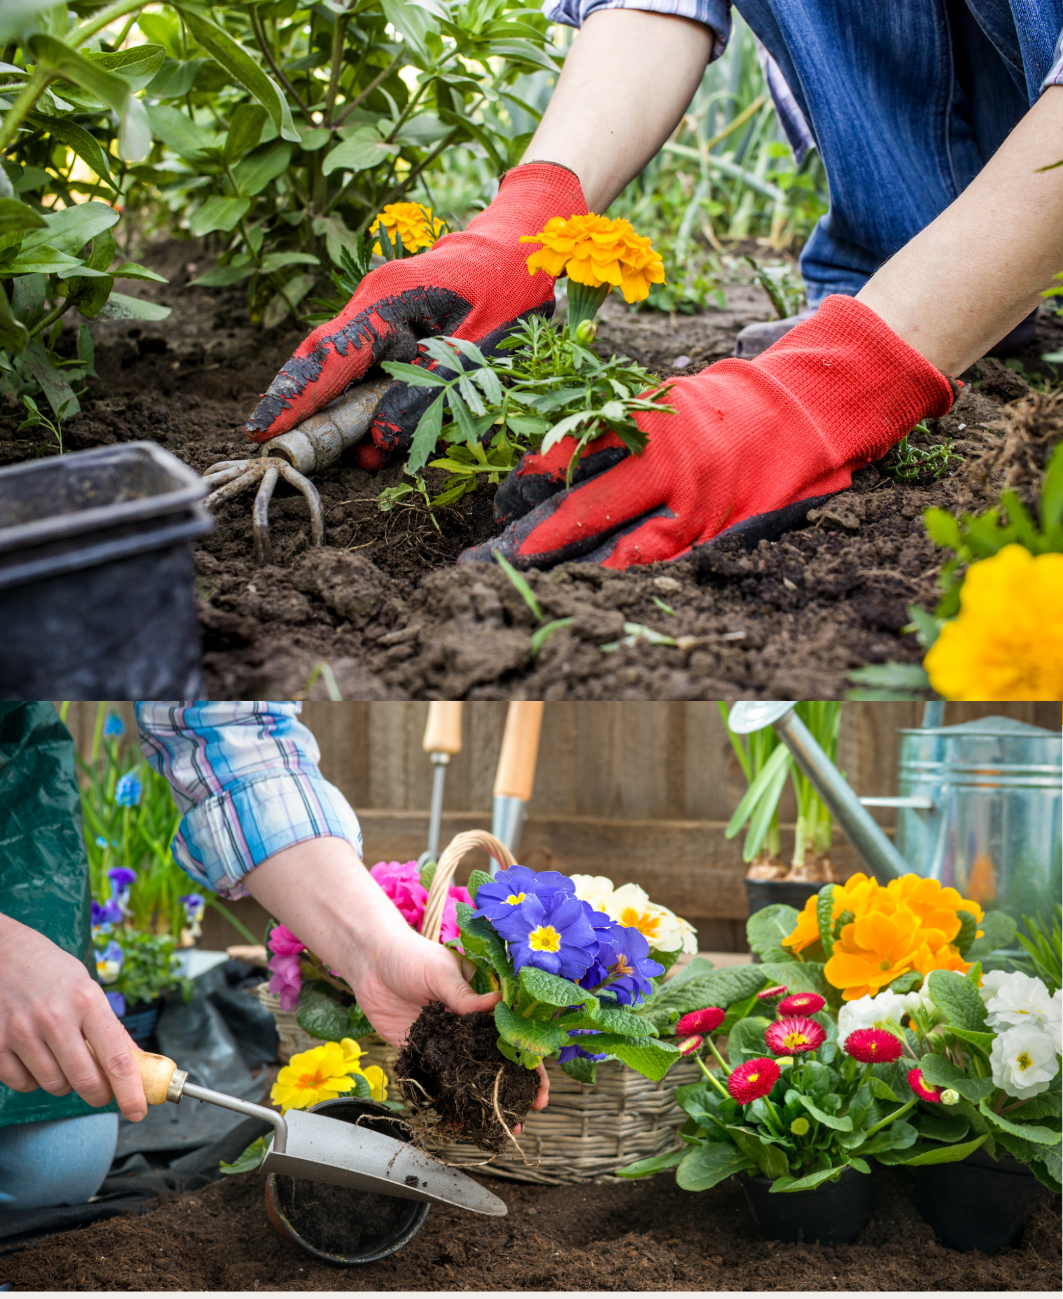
x: 245, y: 778
x: 713, y: 13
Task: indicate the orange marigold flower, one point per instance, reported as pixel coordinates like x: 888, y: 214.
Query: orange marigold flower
x: 873, y: 951
x: 597, y: 251
x: 413, y: 222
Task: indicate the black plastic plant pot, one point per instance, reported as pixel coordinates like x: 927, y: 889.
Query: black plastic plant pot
x: 339, y: 1224
x: 140, y: 1020
x: 834, y: 1213
x: 96, y: 577
x: 978, y: 1202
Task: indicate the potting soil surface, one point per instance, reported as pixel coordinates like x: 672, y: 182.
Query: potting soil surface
x: 603, y: 1235
x: 384, y: 605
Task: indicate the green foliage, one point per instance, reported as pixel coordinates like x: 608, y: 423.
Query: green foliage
x: 722, y: 988
x: 150, y: 966
x: 998, y: 930
x: 766, y: 928
x: 913, y: 464
x: 957, y: 998
x: 321, y: 1015
x: 249, y: 1160
x: 1044, y: 949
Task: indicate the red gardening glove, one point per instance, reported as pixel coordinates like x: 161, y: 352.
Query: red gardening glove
x: 752, y: 447
x: 471, y: 284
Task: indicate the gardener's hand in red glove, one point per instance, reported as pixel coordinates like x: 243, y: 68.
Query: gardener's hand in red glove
x: 752, y: 447
x: 471, y: 284
x: 51, y: 1012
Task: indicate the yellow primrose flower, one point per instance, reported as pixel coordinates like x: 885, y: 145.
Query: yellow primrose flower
x: 320, y: 1074
x: 597, y: 251
x: 413, y: 222
x: 1007, y: 642
x: 377, y: 1080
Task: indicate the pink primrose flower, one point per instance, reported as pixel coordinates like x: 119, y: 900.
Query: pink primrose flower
x: 282, y: 942
x: 286, y: 981
x: 449, y: 928
x: 401, y: 881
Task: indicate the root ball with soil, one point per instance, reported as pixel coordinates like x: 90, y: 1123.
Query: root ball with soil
x: 451, y: 1064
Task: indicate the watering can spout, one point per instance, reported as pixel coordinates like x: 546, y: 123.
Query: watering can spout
x: 881, y: 857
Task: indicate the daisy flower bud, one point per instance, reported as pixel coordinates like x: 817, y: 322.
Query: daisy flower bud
x: 799, y: 1127
x: 950, y: 1097
x: 771, y: 995
x: 873, y: 1046
x: 586, y: 332
x: 801, y: 1003
x: 701, y: 1021
x: 924, y: 1090
x: 689, y: 1045
x: 752, y: 1080
x: 793, y: 1035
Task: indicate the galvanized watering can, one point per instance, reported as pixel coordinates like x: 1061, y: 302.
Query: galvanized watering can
x: 979, y: 808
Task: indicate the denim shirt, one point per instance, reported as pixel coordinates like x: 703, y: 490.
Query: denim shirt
x: 246, y: 778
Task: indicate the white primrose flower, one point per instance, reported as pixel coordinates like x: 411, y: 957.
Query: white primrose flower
x: 1018, y: 999
x: 1023, y: 1060
x: 866, y: 1012
x: 991, y: 982
x: 595, y: 889
x: 630, y: 906
x: 690, y: 936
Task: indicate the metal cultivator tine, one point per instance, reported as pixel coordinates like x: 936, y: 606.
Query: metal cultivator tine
x: 260, y: 514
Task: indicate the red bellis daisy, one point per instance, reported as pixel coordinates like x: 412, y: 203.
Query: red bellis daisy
x: 753, y: 1079
x: 793, y: 1035
x: 701, y: 1021
x: 924, y: 1090
x: 689, y: 1045
x: 873, y: 1046
x: 801, y: 1003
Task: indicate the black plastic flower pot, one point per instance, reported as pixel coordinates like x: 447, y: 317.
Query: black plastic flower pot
x: 978, y: 1202
x: 766, y: 893
x: 140, y: 1020
x: 338, y: 1224
x: 834, y: 1213
x: 96, y: 576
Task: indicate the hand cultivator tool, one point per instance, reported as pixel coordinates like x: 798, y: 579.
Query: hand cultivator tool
x: 311, y: 446
x: 323, y: 1149
x: 442, y: 741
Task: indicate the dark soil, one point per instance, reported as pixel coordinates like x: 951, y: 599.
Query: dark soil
x: 452, y: 1065
x: 606, y: 1235
x: 384, y: 605
x: 337, y: 1220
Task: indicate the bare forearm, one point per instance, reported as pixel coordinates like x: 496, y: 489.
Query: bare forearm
x: 628, y: 79
x: 962, y: 283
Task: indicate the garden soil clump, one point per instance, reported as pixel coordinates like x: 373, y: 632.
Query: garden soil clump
x: 605, y: 1235
x: 451, y: 1064
x: 384, y: 605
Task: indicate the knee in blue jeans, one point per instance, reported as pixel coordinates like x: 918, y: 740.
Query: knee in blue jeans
x: 58, y: 1161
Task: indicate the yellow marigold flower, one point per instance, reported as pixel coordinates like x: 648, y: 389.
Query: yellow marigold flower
x: 597, y: 251
x: 320, y: 1074
x: 415, y: 223
x: 873, y: 951
x: 1007, y: 642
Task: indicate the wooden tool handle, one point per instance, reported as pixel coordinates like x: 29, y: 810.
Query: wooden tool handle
x: 443, y: 732
x: 520, y: 751
x: 155, y: 1073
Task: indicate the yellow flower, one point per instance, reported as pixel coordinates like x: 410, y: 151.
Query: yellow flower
x: 873, y: 951
x: 320, y: 1074
x: 416, y: 224
x: 597, y: 251
x: 935, y: 906
x: 855, y: 895
x: 377, y: 1080
x: 1007, y: 642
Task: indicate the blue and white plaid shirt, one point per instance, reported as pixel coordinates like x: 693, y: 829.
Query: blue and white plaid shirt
x: 246, y: 778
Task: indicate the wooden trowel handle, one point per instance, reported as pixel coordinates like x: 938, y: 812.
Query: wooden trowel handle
x: 520, y: 751
x: 156, y: 1072
x: 443, y: 732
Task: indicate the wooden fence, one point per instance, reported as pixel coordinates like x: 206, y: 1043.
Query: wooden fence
x: 635, y: 791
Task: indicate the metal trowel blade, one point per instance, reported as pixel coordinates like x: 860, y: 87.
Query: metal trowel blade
x: 323, y: 1149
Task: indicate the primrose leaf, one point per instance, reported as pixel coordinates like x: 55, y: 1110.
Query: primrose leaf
x: 957, y: 999
x: 249, y: 1159
x: 322, y: 1016
x: 534, y: 1036
x: 998, y: 930
x: 615, y: 1019
x: 646, y: 1055
x: 1028, y: 1131
x: 919, y: 1156
x: 584, y: 1071
x: 708, y: 1164
x: 479, y: 938
x: 476, y: 878
x: 943, y: 1073
x: 552, y: 990
x: 765, y: 929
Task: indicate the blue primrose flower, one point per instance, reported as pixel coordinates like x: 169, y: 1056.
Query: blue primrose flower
x: 117, y: 1002
x: 114, y: 726
x: 128, y: 790
x: 630, y: 967
x: 603, y: 926
x: 549, y: 932
x: 577, y: 1052
x: 510, y: 887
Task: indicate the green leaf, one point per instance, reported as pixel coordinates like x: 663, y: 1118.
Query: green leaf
x: 811, y: 1180
x: 983, y: 1041
x: 16, y: 215
x: 245, y: 131
x: 998, y: 930
x: 478, y: 938
x: 476, y: 878
x: 240, y: 64
x: 529, y: 1035
x: 707, y: 1165
x: 746, y: 1040
x: 825, y: 919
x: 656, y: 1164
x: 722, y: 988
x: 968, y: 929
x: 771, y: 1161
x: 358, y: 1024
x: 920, y: 1156
x: 943, y: 1127
x: 798, y: 976
x: 780, y: 759
x: 259, y: 168
x: 584, y: 1071
x: 13, y: 333
x: 120, y: 306
x: 765, y: 930
x: 943, y: 1073
x: 75, y: 137
x: 1028, y: 1131
x: 136, y: 65
x: 69, y: 229
x: 321, y: 1015
x: 59, y: 393
x: 552, y: 990
x: 646, y: 1055
x: 134, y: 271
x: 839, y: 1122
x: 957, y: 999
x: 219, y: 213
x: 364, y: 149
x: 944, y: 529
x: 174, y: 79
x: 249, y: 1160
x: 426, y: 435
x: 222, y: 277
x: 615, y: 1019
x: 178, y: 132
x: 881, y: 1091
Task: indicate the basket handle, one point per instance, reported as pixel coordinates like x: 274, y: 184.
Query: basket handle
x: 432, y: 922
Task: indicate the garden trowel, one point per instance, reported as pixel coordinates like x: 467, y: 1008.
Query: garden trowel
x: 324, y: 1149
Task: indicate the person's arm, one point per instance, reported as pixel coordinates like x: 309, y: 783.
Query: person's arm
x: 51, y: 1012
